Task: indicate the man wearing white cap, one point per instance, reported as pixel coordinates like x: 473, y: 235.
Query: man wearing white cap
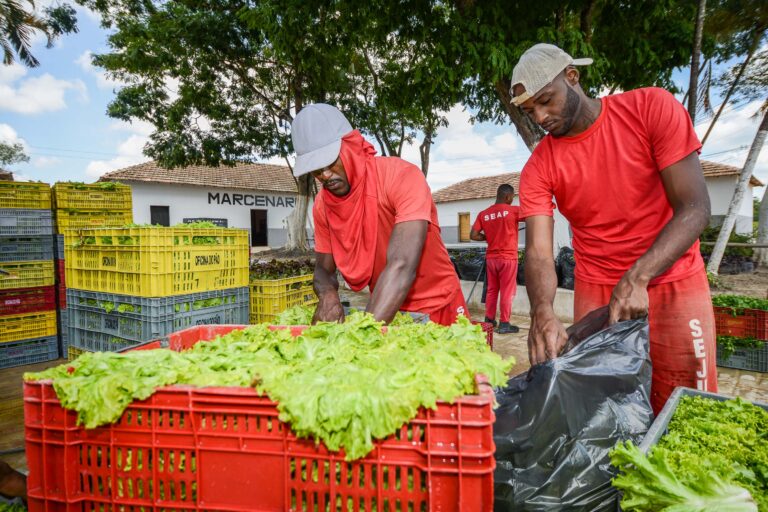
x: 624, y: 170
x: 375, y: 221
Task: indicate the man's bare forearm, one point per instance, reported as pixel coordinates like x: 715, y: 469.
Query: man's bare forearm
x: 393, y: 287
x: 403, y: 256
x: 540, y: 281
x: 324, y: 281
x: 682, y: 230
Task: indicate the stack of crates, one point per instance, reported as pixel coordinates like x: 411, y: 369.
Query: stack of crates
x: 28, y: 332
x: 78, y: 206
x: 270, y: 297
x: 126, y: 286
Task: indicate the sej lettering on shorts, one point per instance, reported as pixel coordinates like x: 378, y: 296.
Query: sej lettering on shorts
x: 700, y: 353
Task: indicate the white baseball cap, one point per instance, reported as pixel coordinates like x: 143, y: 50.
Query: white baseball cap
x: 316, y: 132
x: 538, y: 66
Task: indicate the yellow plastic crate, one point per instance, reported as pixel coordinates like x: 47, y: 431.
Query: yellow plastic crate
x: 273, y: 286
x: 87, y: 219
x: 92, y: 197
x: 26, y: 274
x: 266, y: 306
x: 156, y: 261
x: 25, y: 194
x: 74, y: 352
x: 27, y: 325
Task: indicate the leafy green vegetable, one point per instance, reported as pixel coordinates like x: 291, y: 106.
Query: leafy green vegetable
x: 297, y: 315
x: 302, y: 315
x: 720, y: 446
x: 729, y: 344
x: 280, y: 269
x: 650, y: 485
x: 12, y: 507
x: 738, y: 303
x: 343, y: 384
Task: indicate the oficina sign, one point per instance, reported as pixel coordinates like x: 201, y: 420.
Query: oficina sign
x: 250, y: 199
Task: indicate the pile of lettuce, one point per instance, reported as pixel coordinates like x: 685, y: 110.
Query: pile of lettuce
x: 342, y: 384
x: 302, y: 315
x: 715, y: 457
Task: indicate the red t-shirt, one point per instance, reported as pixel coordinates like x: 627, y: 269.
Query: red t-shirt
x: 499, y: 223
x: 607, y: 183
x: 403, y: 196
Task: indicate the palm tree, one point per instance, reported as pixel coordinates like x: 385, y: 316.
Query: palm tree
x: 17, y: 26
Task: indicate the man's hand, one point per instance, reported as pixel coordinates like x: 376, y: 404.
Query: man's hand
x: 547, y: 336
x: 629, y: 299
x: 329, y: 309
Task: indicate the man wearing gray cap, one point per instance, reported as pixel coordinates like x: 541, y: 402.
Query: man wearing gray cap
x: 375, y: 221
x: 624, y: 170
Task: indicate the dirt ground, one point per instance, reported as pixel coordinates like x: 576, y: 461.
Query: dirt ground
x: 754, y: 284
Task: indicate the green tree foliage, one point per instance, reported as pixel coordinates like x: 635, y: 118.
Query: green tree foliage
x: 11, y: 154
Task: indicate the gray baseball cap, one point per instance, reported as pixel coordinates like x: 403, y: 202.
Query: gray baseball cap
x: 538, y: 66
x: 316, y: 132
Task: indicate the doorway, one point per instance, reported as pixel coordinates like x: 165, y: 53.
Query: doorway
x: 259, y: 236
x: 159, y: 216
x: 464, y: 227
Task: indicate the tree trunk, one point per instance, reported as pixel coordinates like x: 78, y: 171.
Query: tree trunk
x: 585, y: 23
x: 693, y: 87
x: 528, y: 130
x: 752, y: 49
x: 424, y: 148
x: 761, y: 255
x: 738, y: 195
x: 297, y: 220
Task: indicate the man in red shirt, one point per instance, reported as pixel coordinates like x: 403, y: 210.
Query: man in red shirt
x: 497, y: 225
x: 375, y: 221
x: 624, y: 170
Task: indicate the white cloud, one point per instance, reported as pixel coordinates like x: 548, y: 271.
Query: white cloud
x: 9, y: 135
x: 85, y: 61
x: 37, y: 94
x: 129, y: 151
x: 732, y: 136
x: 463, y: 150
x: 9, y: 74
x: 45, y: 161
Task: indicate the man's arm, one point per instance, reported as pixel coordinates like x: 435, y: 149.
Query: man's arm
x: 329, y: 308
x: 403, y: 256
x: 547, y: 335
x: 687, y: 194
x: 477, y: 236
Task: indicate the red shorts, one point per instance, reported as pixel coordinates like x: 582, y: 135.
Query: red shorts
x: 682, y: 332
x: 448, y: 313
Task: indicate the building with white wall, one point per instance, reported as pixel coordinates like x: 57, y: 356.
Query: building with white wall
x: 721, y: 182
x: 459, y: 204
x: 257, y: 197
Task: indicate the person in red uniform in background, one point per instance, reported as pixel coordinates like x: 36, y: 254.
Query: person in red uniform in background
x: 624, y: 170
x: 497, y: 225
x: 375, y: 221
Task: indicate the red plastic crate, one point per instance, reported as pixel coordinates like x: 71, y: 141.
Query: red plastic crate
x: 224, y: 449
x: 27, y: 300
x: 753, y: 323
x: 60, y: 273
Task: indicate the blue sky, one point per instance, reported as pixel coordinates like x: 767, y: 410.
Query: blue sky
x: 58, y: 112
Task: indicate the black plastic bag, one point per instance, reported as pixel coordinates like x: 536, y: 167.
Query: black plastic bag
x: 566, y: 268
x: 555, y: 425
